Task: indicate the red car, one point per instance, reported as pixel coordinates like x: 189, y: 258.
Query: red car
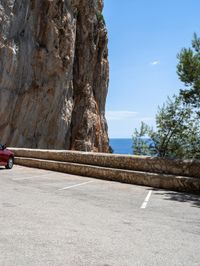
x: 6, y: 157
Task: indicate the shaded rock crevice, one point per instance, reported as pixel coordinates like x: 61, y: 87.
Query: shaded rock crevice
x: 53, y: 74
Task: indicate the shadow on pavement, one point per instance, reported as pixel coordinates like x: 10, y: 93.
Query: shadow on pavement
x: 193, y: 199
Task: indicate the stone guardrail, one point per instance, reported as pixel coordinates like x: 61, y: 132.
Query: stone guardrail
x: 149, y: 171
x: 127, y: 162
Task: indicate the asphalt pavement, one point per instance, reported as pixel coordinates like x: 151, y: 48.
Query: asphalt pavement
x: 55, y: 219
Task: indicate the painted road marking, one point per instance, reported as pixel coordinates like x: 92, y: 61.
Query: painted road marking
x: 77, y: 185
x: 19, y: 167
x: 30, y: 177
x: 144, y: 204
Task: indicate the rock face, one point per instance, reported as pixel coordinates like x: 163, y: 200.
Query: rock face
x: 53, y: 74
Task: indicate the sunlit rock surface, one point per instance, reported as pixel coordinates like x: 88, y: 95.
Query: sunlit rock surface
x: 53, y: 74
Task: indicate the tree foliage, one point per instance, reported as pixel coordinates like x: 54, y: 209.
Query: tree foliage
x: 188, y: 70
x: 141, y: 144
x: 177, y: 134
x: 177, y: 121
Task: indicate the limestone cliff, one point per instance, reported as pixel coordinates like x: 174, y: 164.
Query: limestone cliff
x: 53, y: 74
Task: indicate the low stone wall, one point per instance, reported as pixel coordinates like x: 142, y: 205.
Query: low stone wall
x: 177, y: 183
x: 189, y: 168
x: 176, y: 175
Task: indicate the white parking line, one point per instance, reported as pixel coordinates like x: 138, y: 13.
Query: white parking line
x: 30, y: 177
x: 77, y: 185
x: 144, y: 204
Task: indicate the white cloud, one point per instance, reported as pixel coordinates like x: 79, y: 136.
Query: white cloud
x: 121, y: 124
x: 120, y: 115
x: 128, y: 115
x: 154, y: 63
x: 146, y: 118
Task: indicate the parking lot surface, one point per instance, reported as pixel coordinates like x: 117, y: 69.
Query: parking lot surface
x: 50, y: 218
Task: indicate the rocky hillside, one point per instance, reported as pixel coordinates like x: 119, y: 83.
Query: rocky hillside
x: 53, y: 74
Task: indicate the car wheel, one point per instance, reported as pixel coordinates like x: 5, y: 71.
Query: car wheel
x: 10, y: 163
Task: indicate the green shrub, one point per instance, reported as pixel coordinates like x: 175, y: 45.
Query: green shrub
x: 100, y: 17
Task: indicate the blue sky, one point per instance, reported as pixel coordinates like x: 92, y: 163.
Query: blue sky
x: 145, y: 37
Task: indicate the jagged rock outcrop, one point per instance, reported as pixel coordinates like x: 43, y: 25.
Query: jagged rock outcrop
x: 53, y: 74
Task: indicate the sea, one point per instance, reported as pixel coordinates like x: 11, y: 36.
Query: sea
x: 122, y: 146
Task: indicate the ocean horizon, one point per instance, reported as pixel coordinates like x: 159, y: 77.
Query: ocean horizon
x: 121, y: 145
